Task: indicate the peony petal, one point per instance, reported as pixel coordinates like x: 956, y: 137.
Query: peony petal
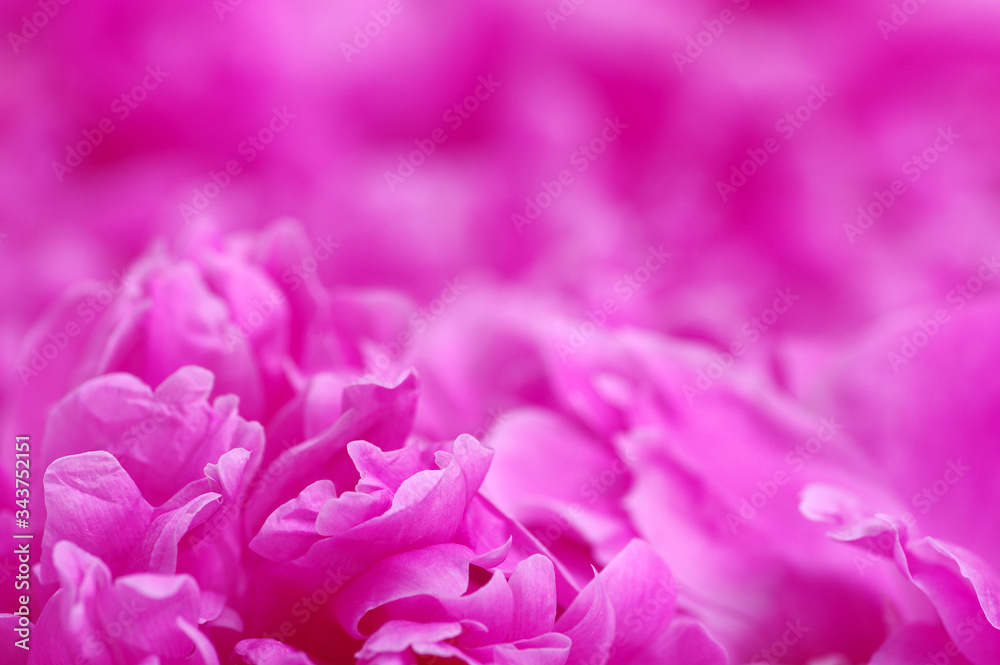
x: 547, y: 649
x: 533, y: 584
x: 269, y: 652
x: 92, y: 501
x: 918, y: 643
x: 590, y: 623
x: 439, y: 570
x: 291, y: 529
x: 643, y: 594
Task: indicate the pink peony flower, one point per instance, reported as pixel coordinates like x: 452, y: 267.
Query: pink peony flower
x: 96, y: 617
x: 564, y: 333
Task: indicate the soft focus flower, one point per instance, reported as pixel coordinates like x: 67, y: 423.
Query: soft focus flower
x: 560, y: 333
x: 95, y: 617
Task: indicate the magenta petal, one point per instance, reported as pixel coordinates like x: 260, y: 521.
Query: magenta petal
x: 533, y: 584
x: 532, y: 442
x: 324, y: 457
x: 474, y: 459
x: 163, y: 440
x: 130, y: 619
x: 158, y: 601
x: 291, y: 529
x: 485, y: 526
x: 188, y: 384
x: 321, y: 404
x: 269, y: 652
x: 494, y: 557
x: 399, y: 636
x: 919, y: 643
x: 962, y: 587
x: 590, y: 623
x: 484, y: 613
x: 384, y: 415
x: 390, y: 512
x: 685, y: 641
x: 383, y: 469
x: 204, y: 651
x: 232, y: 472
x: 642, y: 592
x: 439, y: 570
x: 966, y: 592
x: 349, y: 510
x: 428, y: 506
x: 91, y: 501
x: 548, y: 649
x: 159, y: 550
x: 437, y: 651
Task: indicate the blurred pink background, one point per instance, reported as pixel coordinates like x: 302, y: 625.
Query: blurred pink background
x: 810, y: 180
x: 691, y: 114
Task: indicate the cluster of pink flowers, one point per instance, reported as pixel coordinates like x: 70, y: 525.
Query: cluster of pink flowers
x: 242, y: 467
x: 178, y: 529
x: 566, y: 333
